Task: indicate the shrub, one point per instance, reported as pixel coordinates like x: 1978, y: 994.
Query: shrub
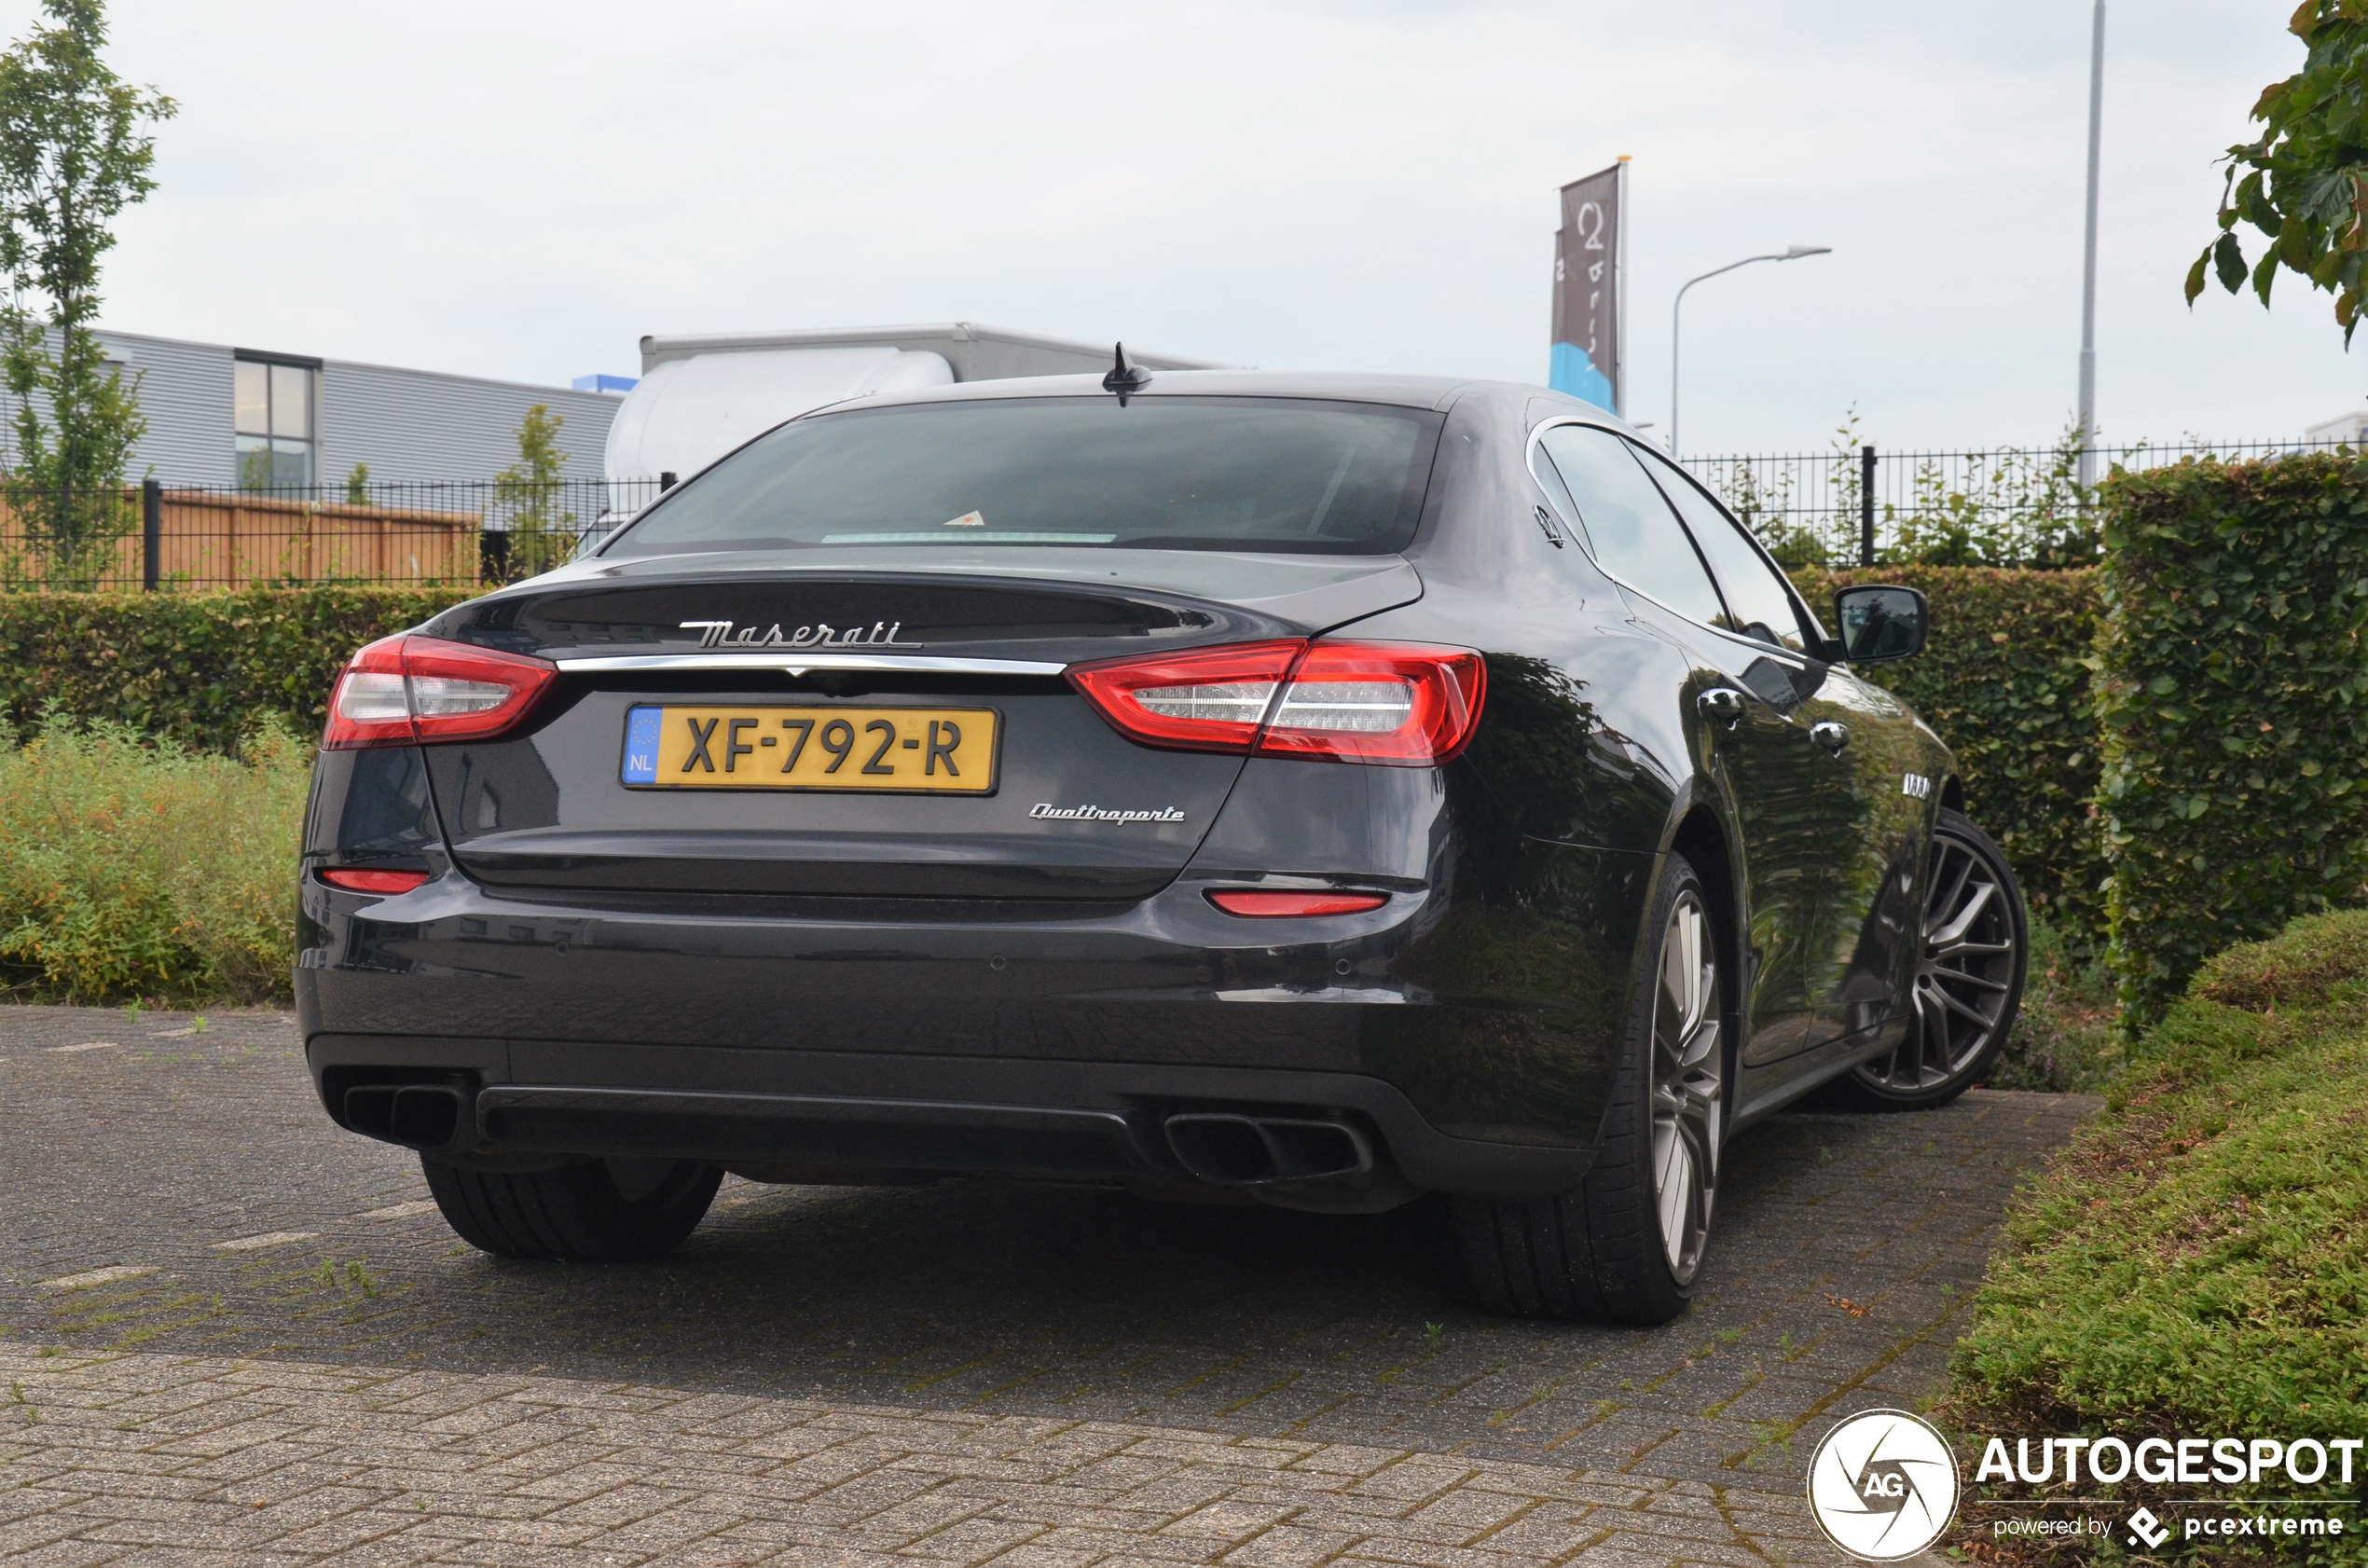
x: 2066, y: 1035
x: 138, y: 868
x: 194, y: 668
x: 2194, y: 1263
x: 2233, y: 694
x: 2004, y: 681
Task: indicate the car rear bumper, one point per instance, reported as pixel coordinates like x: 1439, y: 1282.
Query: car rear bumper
x: 836, y: 1038
x: 829, y: 1117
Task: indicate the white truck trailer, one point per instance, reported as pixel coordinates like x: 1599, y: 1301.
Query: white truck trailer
x: 701, y: 396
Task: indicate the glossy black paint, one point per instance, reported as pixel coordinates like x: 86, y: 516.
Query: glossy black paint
x: 904, y: 958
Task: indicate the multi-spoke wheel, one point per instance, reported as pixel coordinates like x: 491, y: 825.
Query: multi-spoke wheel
x: 1969, y: 975
x: 1688, y: 1073
x: 1628, y: 1244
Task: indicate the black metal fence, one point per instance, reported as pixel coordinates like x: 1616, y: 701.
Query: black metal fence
x: 1863, y: 505
x: 1839, y: 506
x: 167, y: 536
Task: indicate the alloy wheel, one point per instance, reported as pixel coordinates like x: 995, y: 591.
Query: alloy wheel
x: 1964, y: 977
x: 1688, y: 1074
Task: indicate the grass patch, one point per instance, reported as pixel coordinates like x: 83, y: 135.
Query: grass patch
x: 136, y: 867
x: 2066, y: 1036
x: 2195, y: 1262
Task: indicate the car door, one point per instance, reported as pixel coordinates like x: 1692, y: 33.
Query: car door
x: 1761, y: 749
x: 1855, y: 832
x: 1864, y: 955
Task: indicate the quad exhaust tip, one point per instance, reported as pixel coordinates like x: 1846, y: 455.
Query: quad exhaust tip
x: 1225, y: 1148
x: 428, y: 1117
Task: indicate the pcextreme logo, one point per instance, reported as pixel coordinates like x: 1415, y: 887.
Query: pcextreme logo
x: 1882, y: 1486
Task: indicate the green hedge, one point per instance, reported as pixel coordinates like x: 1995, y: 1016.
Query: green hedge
x: 2194, y: 1262
x: 196, y: 668
x: 2233, y: 693
x: 2006, y: 682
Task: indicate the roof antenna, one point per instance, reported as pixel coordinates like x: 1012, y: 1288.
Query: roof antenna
x: 1124, y: 378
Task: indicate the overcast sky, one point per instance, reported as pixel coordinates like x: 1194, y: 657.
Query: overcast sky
x: 522, y: 190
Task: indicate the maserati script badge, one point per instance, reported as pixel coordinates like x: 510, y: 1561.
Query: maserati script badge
x: 822, y: 634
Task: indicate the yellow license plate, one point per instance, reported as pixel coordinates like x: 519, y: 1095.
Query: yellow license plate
x: 917, y: 751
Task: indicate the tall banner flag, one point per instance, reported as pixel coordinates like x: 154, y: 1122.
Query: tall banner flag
x: 1588, y: 360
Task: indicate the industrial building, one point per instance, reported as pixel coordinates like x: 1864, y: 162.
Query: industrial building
x: 220, y: 416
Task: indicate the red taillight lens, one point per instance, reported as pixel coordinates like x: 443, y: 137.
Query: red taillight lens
x: 374, y: 881
x: 1274, y: 905
x: 370, y: 706
x: 1210, y: 699
x: 1401, y: 704
x: 1367, y: 702
x: 406, y: 688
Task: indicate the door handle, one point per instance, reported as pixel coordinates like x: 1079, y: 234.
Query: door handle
x: 1722, y: 704
x: 1832, y: 736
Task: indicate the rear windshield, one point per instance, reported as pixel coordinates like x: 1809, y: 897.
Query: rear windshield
x: 1158, y: 473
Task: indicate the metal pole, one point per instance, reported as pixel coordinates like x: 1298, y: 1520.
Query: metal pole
x: 1866, y: 506
x: 1620, y: 291
x: 2087, y: 469
x: 1791, y: 253
x: 151, y: 534
x: 1675, y: 321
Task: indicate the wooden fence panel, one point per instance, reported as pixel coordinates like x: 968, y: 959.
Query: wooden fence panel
x: 230, y: 538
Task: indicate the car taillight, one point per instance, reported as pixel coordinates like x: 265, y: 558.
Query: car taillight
x: 1209, y: 699
x: 354, y: 881
x: 1402, y: 703
x: 1371, y: 702
x: 1267, y: 906
x: 408, y: 688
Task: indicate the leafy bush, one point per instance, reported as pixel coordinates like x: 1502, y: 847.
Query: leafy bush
x: 2066, y: 1035
x: 2004, y: 681
x: 2194, y: 1263
x: 138, y: 868
x: 194, y: 668
x: 2233, y: 694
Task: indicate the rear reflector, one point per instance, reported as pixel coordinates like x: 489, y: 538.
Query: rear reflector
x: 374, y: 881
x: 1271, y: 905
x: 1404, y: 703
x: 408, y: 688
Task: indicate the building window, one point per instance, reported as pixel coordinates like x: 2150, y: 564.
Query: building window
x: 278, y: 423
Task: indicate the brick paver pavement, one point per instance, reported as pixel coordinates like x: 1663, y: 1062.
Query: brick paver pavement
x: 248, y: 1338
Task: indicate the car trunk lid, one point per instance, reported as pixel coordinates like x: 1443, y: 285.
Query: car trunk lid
x: 679, y: 673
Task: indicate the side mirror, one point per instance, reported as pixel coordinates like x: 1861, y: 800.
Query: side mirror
x: 1880, y: 622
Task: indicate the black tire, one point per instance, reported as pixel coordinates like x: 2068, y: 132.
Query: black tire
x: 1969, y: 978
x: 1603, y: 1252
x: 599, y: 1211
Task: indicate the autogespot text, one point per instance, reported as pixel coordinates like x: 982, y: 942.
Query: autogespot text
x: 2171, y: 1461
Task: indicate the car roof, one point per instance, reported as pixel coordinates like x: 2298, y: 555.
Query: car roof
x: 1408, y: 392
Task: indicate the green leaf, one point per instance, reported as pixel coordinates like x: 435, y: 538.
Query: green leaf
x: 2228, y: 258
x: 2196, y: 276
x: 2264, y: 274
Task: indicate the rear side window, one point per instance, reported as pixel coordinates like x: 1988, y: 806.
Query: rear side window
x: 1267, y: 474
x: 1631, y: 531
x: 1757, y: 605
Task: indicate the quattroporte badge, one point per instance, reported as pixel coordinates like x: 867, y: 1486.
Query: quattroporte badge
x: 1045, y: 810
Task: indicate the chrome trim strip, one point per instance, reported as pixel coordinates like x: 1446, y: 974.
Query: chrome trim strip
x: 798, y: 664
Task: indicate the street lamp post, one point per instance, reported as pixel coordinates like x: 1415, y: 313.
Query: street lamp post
x: 1790, y: 253
x: 2086, y: 475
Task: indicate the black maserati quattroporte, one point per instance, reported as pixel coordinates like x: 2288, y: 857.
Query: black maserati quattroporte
x: 1323, y: 790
